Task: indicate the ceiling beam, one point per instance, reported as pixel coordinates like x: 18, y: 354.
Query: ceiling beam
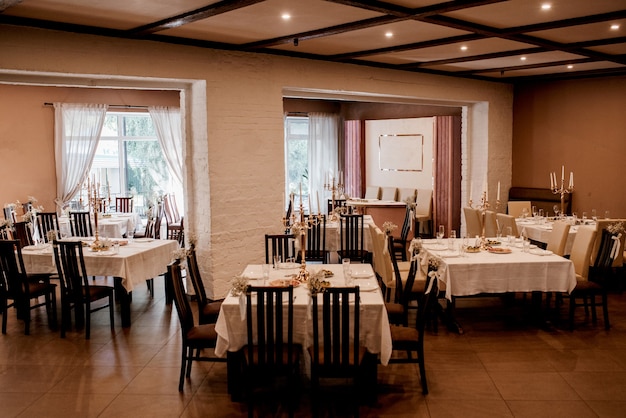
x: 215, y: 9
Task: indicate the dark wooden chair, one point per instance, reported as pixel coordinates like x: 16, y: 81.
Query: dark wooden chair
x: 351, y: 239
x: 80, y: 224
x: 405, y: 291
x: 316, y: 242
x: 408, y: 341
x: 336, y: 351
x: 47, y: 222
x: 283, y: 245
x: 124, y: 204
x: 22, y: 233
x: 15, y: 285
x: 400, y: 242
x: 173, y: 218
x: 9, y: 214
x: 208, y: 311
x: 76, y: 291
x: 270, y: 352
x: 596, y: 285
x: 339, y: 203
x: 195, y: 337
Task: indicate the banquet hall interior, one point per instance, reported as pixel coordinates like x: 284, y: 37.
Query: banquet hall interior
x: 518, y: 114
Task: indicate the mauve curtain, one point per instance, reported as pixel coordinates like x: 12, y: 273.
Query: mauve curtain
x: 322, y: 154
x: 77, y: 129
x: 447, y: 193
x: 353, y: 157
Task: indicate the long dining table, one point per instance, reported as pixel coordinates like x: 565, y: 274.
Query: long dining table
x: 539, y: 230
x: 375, y: 333
x: 136, y: 262
x: 503, y: 269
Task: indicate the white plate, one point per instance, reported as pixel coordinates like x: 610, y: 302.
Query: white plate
x: 143, y: 239
x: 361, y: 274
x: 539, y: 251
x: 103, y: 253
x: 368, y: 287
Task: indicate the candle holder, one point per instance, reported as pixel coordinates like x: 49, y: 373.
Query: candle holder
x: 562, y: 190
x: 335, y: 187
x: 483, y: 207
x: 299, y: 227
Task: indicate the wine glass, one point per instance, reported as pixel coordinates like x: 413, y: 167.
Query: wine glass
x: 524, y: 213
x: 556, y: 211
x: 440, y: 234
x: 534, y: 209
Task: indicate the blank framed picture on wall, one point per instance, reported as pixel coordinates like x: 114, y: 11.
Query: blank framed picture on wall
x: 401, y: 152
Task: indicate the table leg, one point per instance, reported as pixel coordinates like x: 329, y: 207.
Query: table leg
x: 124, y: 298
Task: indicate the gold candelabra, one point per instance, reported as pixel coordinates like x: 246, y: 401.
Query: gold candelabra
x: 562, y: 190
x: 299, y: 227
x: 336, y: 187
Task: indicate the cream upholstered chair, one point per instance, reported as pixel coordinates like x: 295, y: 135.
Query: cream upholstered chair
x: 389, y: 193
x: 423, y: 212
x: 407, y: 195
x: 491, y: 226
x: 473, y: 224
x: 505, y: 221
x: 558, y: 238
x: 372, y: 192
x: 516, y: 208
x: 581, y: 252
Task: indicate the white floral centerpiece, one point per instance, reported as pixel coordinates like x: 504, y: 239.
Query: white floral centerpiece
x: 389, y: 227
x: 101, y: 245
x: 616, y: 228
x: 239, y: 285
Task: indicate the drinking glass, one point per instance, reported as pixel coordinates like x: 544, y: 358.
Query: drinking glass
x: 266, y: 273
x: 534, y: 209
x: 509, y: 236
x: 541, y: 213
x: 346, y: 266
x: 607, y: 214
x: 130, y: 234
x: 584, y: 216
x: 524, y: 213
x: 594, y: 215
x: 451, y: 239
x: 277, y: 262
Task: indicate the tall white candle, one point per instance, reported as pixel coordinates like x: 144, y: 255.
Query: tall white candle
x: 551, y: 180
x: 571, y: 179
x: 562, y: 174
x: 498, y: 195
x: 319, y: 209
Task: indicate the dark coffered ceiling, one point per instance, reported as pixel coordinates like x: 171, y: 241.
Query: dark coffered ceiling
x: 510, y: 41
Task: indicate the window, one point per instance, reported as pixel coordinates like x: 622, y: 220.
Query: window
x: 297, y: 158
x: 129, y: 160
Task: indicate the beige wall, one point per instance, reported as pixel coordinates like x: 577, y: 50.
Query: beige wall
x: 234, y: 155
x: 580, y: 124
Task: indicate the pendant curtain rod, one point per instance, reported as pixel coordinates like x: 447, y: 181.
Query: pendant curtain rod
x: 114, y: 106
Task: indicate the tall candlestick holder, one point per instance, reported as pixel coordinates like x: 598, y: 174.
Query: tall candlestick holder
x: 483, y: 207
x: 336, y: 188
x: 299, y: 227
x: 562, y: 190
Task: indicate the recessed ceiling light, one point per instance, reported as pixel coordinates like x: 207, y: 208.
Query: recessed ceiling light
x: 523, y: 58
x: 569, y: 67
x: 463, y: 48
x: 546, y: 6
x: 285, y: 16
x: 388, y: 34
x: 615, y: 26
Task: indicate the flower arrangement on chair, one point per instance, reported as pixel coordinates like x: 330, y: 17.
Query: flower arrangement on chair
x: 389, y: 227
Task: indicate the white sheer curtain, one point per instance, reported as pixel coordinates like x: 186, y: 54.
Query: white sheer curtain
x: 77, y: 129
x: 167, y: 122
x: 323, y: 146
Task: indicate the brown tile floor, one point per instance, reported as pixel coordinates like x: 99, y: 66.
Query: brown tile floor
x: 501, y: 366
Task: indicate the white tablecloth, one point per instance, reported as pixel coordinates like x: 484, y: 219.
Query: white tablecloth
x: 485, y: 272
x: 113, y: 226
x: 540, y: 231
x: 375, y: 333
x: 135, y: 263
